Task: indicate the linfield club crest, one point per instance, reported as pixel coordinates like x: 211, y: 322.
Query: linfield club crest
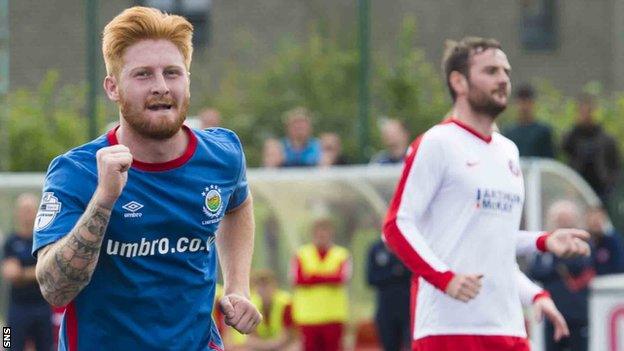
x: 514, y: 168
x: 213, y: 204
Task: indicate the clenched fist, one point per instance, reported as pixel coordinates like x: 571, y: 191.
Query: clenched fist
x: 113, y: 163
x: 464, y: 287
x: 240, y: 313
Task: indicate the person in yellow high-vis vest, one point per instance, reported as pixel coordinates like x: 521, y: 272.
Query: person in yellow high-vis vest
x: 321, y: 273
x: 277, y: 331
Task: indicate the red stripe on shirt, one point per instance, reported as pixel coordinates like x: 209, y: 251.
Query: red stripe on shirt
x: 214, y: 346
x: 396, y: 239
x: 471, y: 130
x: 541, y: 242
x: 161, y: 166
x: 540, y: 295
x: 413, y: 300
x: 71, y: 326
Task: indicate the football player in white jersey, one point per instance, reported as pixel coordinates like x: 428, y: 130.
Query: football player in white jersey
x: 455, y: 217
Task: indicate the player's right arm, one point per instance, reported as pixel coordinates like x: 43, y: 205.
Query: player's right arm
x: 65, y: 267
x: 422, y: 176
x: 563, y: 242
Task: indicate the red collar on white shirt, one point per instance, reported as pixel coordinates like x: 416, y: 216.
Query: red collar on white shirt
x: 486, y: 138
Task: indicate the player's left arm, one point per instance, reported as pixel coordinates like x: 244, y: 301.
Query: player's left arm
x: 564, y: 243
x: 543, y: 305
x: 235, y: 241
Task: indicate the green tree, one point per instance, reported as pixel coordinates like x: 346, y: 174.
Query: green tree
x: 321, y: 75
x: 44, y: 123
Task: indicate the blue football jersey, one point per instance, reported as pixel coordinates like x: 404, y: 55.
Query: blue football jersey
x: 153, y: 286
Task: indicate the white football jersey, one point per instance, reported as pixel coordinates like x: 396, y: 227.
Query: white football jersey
x: 457, y: 209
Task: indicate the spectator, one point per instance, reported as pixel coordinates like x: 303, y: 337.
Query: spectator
x: 272, y: 153
x: 567, y: 281
x: 276, y: 332
x: 30, y: 316
x: 300, y: 148
x: 209, y: 118
x: 395, y: 138
x: 331, y: 147
x: 391, y: 279
x: 534, y: 139
x: 322, y: 271
x: 591, y: 151
x: 608, y: 249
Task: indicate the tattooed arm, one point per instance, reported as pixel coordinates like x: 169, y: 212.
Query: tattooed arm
x: 65, y: 267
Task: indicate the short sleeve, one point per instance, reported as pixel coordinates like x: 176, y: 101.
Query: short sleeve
x: 241, y: 190
x: 62, y: 202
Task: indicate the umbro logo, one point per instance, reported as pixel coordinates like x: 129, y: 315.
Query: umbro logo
x: 132, y: 207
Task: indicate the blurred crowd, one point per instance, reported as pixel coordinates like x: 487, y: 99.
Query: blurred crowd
x: 299, y: 147
x: 587, y: 148
x: 567, y: 280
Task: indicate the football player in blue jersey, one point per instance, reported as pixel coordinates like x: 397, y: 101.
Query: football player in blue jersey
x: 129, y: 224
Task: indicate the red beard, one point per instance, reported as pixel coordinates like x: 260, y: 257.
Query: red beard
x: 154, y: 128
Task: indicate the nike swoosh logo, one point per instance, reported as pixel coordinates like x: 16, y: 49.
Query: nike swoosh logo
x: 472, y: 164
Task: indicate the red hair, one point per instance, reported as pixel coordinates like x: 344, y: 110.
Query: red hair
x: 140, y: 23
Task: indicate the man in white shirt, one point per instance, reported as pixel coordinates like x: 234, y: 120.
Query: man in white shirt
x: 454, y: 219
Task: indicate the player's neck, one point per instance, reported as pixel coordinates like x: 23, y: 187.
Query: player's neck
x: 152, y: 150
x: 482, y: 123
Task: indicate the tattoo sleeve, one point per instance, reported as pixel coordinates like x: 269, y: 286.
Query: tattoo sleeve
x: 65, y: 267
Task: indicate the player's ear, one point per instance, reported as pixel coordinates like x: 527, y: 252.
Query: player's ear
x: 459, y: 83
x: 111, y: 87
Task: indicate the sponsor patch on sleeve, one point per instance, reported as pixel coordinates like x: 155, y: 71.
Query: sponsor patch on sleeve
x: 48, y: 209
